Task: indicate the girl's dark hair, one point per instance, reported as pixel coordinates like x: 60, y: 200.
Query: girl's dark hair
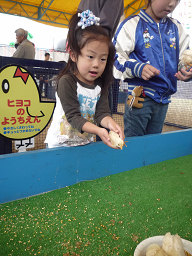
x: 77, y: 38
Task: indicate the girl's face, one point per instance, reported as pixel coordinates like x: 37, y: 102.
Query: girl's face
x: 91, y: 62
x: 161, y: 8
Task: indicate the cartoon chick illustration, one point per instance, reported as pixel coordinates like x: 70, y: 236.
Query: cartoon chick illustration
x: 23, y: 115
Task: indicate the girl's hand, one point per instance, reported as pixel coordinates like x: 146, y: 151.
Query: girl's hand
x: 103, y: 134
x: 117, y: 128
x: 187, y: 75
x: 109, y: 123
x: 149, y: 71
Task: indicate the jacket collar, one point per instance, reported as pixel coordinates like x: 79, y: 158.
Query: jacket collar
x: 25, y: 40
x: 148, y: 18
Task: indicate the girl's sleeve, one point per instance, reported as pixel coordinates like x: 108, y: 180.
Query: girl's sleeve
x: 67, y: 92
x: 102, y: 108
x: 124, y: 41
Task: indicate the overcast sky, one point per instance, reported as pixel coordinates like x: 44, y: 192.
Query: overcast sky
x: 44, y: 36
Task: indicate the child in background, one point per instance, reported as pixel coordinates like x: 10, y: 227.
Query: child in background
x: 82, y: 92
x: 148, y: 50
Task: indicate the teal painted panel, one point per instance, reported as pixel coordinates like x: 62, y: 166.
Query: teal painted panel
x: 31, y: 173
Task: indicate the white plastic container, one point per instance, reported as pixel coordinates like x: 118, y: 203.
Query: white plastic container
x: 142, y: 247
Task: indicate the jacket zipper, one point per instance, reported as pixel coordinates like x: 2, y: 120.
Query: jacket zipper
x: 163, y: 61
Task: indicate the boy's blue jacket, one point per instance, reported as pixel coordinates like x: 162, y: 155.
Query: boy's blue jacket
x: 139, y: 40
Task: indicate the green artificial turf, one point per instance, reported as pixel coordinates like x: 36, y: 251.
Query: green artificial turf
x: 106, y: 216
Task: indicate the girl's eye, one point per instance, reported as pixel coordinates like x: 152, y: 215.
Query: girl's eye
x: 90, y: 56
x: 103, y: 59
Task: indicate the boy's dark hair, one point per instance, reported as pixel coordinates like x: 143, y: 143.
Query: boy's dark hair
x: 46, y: 54
x: 77, y: 38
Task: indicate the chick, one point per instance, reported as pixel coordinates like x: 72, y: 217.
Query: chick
x: 186, y: 59
x: 155, y: 250
x: 116, y: 141
x: 22, y: 114
x: 172, y: 245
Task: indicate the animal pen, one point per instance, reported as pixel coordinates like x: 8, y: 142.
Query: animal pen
x: 178, y: 118
x: 178, y: 115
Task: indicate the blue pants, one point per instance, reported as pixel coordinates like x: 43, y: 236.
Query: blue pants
x: 146, y: 120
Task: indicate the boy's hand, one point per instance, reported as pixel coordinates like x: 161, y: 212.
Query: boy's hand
x: 149, y: 71
x: 187, y: 75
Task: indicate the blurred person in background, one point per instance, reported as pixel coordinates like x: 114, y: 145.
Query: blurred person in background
x: 47, y: 56
x: 109, y: 12
x: 25, y: 49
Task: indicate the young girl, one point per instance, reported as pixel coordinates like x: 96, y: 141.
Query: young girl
x: 148, y: 50
x: 82, y: 92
